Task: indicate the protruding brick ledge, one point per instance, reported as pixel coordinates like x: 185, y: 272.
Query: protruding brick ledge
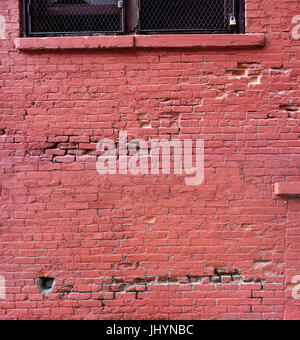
x: 287, y: 188
x: 71, y: 43
x: 142, y: 41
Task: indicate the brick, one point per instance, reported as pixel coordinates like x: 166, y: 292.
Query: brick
x: 127, y: 247
x: 287, y: 188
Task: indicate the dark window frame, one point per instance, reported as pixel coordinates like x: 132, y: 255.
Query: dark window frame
x: 202, y: 16
x: 131, y: 23
x: 32, y: 9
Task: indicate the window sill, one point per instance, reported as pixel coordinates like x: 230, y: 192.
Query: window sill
x: 200, y: 41
x: 288, y: 189
x: 74, y: 43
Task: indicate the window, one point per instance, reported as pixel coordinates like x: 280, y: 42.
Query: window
x: 48, y: 17
x: 188, y: 15
x: 86, y: 17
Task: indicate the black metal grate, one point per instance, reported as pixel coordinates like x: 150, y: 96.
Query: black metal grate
x: 185, y: 15
x: 46, y: 17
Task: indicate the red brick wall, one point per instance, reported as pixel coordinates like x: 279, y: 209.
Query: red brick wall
x: 150, y: 247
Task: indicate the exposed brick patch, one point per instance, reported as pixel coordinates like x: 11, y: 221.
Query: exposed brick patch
x: 65, y: 149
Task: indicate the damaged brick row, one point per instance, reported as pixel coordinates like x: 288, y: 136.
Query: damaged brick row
x: 64, y: 149
x: 220, y: 276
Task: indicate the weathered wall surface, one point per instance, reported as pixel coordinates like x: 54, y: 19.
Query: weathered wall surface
x: 150, y: 247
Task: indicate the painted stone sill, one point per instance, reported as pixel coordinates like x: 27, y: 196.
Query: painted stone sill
x: 200, y: 41
x: 142, y: 41
x: 74, y: 43
x: 288, y: 189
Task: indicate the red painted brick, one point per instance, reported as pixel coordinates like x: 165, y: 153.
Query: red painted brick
x: 147, y: 247
x: 287, y: 188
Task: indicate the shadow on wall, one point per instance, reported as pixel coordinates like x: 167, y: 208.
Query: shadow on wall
x: 2, y: 27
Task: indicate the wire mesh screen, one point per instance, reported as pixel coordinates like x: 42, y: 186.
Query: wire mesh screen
x: 184, y: 15
x: 75, y: 16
